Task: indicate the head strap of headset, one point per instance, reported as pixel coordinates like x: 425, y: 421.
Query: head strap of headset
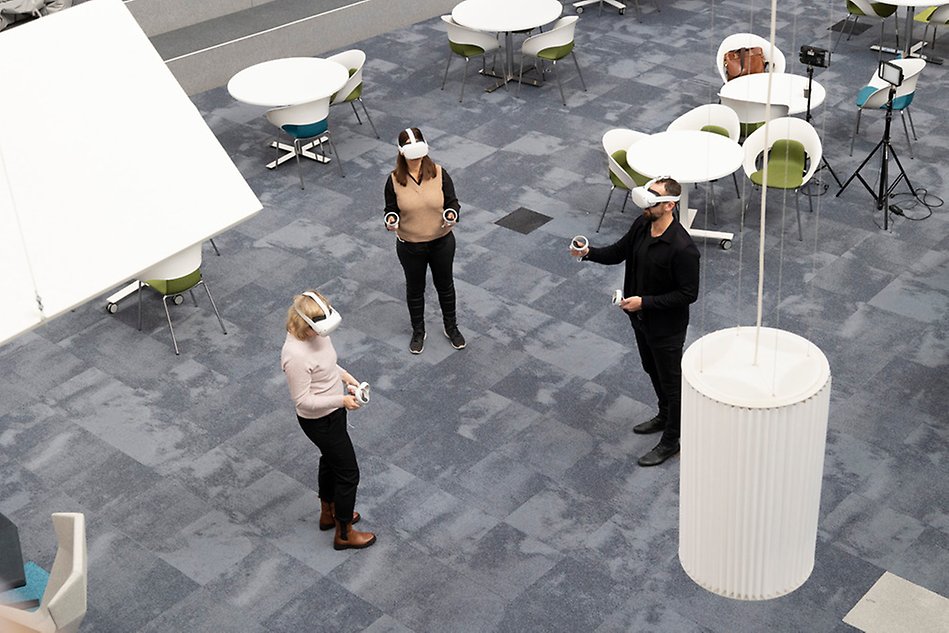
x: 645, y: 198
x: 330, y: 320
x: 414, y: 148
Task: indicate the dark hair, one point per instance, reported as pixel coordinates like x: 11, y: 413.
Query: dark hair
x: 672, y: 186
x: 401, y: 171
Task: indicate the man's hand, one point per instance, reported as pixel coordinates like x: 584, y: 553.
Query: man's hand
x: 579, y: 253
x: 632, y: 304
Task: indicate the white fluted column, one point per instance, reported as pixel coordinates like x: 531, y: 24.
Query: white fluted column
x: 753, y: 437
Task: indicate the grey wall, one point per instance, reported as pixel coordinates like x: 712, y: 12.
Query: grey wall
x: 160, y: 16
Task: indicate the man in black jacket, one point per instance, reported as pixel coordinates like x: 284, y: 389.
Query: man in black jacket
x: 662, y: 279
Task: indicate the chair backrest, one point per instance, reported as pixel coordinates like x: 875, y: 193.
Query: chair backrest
x: 560, y: 34
x: 870, y: 9
x: 353, y: 61
x: 773, y: 56
x: 459, y: 34
x: 65, y: 595
x: 940, y: 15
x: 302, y: 114
x: 620, y: 139
x: 754, y: 111
x: 779, y: 129
x: 176, y: 266
x: 711, y: 114
x: 912, y: 68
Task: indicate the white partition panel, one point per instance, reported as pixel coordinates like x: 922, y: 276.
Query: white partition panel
x: 106, y: 167
x: 753, y: 437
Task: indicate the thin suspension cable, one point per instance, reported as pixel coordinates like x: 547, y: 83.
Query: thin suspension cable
x: 19, y: 228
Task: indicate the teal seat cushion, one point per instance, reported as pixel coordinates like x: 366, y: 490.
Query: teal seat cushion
x: 865, y: 93
x: 785, y: 165
x: 716, y: 129
x: 174, y: 286
x: 620, y: 157
x: 306, y: 131
x: 556, y: 52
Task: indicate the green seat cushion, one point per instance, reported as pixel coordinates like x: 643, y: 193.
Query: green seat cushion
x: 466, y: 50
x: 357, y: 91
x: 883, y: 10
x: 747, y: 128
x: 785, y: 165
x: 174, y: 286
x: 556, y: 52
x: 620, y: 157
x: 716, y: 129
x: 925, y: 14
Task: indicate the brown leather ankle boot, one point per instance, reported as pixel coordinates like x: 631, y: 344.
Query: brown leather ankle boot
x: 328, y: 516
x: 348, y: 538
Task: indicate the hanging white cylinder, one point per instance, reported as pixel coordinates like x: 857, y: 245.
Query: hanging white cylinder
x: 753, y: 438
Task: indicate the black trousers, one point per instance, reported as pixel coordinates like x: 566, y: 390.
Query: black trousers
x: 416, y: 258
x: 662, y: 359
x: 339, y: 473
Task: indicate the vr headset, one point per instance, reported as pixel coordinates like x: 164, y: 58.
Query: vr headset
x: 331, y: 318
x: 415, y: 148
x: 644, y: 198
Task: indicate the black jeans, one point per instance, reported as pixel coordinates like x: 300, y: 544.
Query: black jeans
x: 339, y: 474
x: 416, y: 258
x: 662, y: 359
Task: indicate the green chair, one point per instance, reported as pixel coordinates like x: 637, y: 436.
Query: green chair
x: 353, y: 61
x: 552, y: 46
x: 616, y: 142
x: 793, y: 155
x: 171, y: 289
x: 857, y: 9
x: 933, y: 17
x: 467, y: 43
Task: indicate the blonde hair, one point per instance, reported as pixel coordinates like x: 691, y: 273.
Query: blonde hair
x: 296, y: 325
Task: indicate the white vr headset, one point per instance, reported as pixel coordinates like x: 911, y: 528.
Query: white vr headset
x: 415, y: 148
x: 328, y: 323
x: 645, y: 199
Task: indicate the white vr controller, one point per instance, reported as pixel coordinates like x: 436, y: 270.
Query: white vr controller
x: 578, y: 243
x: 361, y: 392
x: 617, y: 297
x: 392, y: 219
x: 449, y: 217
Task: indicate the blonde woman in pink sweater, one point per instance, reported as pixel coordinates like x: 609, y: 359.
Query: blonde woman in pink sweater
x: 322, y: 393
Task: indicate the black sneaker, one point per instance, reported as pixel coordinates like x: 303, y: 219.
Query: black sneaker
x: 417, y: 344
x: 457, y: 340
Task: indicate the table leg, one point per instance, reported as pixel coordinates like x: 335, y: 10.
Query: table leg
x: 507, y: 74
x: 306, y: 153
x: 910, y: 49
x: 686, y: 219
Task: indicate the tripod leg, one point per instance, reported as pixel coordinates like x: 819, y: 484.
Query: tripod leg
x: 912, y: 127
x: 906, y: 130
x: 855, y: 130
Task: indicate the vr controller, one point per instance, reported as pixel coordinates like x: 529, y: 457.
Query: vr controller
x: 617, y: 297
x: 392, y: 220
x: 449, y: 217
x: 361, y: 392
x: 578, y: 243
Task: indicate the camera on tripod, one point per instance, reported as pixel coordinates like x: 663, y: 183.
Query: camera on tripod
x: 891, y: 74
x: 815, y: 57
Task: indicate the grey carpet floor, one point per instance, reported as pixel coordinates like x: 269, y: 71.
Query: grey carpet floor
x: 501, y: 479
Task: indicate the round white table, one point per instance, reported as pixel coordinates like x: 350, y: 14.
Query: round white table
x: 289, y: 81
x: 506, y: 16
x: 786, y: 88
x: 910, y: 49
x: 689, y: 156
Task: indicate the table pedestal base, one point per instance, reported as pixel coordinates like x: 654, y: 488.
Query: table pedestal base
x: 725, y: 238
x: 306, y: 153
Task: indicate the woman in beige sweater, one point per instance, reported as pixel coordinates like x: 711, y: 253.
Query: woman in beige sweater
x: 421, y: 197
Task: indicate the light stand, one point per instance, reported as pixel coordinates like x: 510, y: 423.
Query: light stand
x: 811, y: 57
x: 882, y: 196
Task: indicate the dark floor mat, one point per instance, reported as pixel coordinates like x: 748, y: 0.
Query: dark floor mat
x: 523, y: 220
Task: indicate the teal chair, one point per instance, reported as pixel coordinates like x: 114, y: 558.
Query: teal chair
x: 876, y: 94
x: 172, y: 288
x: 793, y: 154
x: 304, y: 122
x: 552, y: 46
x: 615, y: 143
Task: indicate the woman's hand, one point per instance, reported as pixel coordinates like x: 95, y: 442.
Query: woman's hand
x: 351, y: 403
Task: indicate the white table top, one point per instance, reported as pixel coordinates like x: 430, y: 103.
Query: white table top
x: 786, y: 88
x: 917, y: 3
x: 288, y: 81
x: 686, y: 155
x: 506, y: 15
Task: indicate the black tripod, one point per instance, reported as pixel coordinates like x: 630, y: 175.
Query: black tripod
x: 807, y: 117
x: 882, y: 197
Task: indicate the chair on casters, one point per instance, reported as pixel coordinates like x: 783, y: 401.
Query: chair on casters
x: 353, y: 61
x: 857, y: 9
x: 753, y: 114
x: 552, y: 46
x: 467, y: 43
x: 304, y: 122
x: 793, y: 155
x: 714, y: 118
x: 749, y: 40
x: 875, y: 95
x: 615, y: 143
x: 172, y: 277
x: 63, y: 605
x: 613, y: 3
x: 933, y: 17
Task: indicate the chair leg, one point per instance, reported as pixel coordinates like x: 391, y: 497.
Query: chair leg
x: 368, y: 118
x: 214, y: 307
x: 520, y: 77
x: 296, y: 153
x: 164, y: 302
x: 797, y: 206
x: 582, y: 83
x: 464, y: 78
x: 855, y: 130
x: 339, y: 162
x: 214, y: 246
x: 356, y: 112
x: 906, y: 130
x: 605, y: 207
x: 840, y: 34
x: 193, y: 298
x: 622, y: 209
x: 711, y: 190
x: 553, y: 67
x: 909, y: 115
x: 140, y: 287
x: 853, y: 24
x: 737, y: 190
x: 447, y: 66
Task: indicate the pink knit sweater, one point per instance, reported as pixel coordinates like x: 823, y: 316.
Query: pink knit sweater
x: 316, y: 386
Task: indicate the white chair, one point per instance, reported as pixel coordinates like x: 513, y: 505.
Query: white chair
x: 615, y: 143
x: 553, y: 46
x: 303, y: 122
x: 933, y: 17
x: 752, y: 114
x: 353, y: 61
x: 793, y: 153
x: 774, y: 57
x: 857, y: 9
x: 876, y: 93
x: 63, y: 605
x: 715, y: 118
x: 467, y: 43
